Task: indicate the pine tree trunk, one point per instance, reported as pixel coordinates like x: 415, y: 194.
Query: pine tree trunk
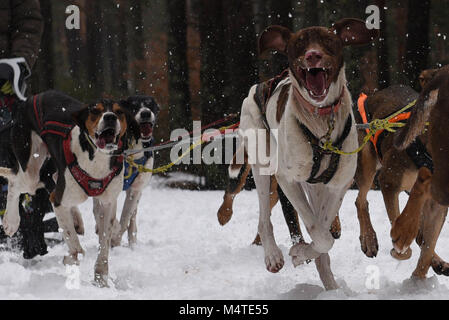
x: 213, y: 78
x: 95, y: 48
x: 241, y: 53
x: 138, y: 45
x: 122, y: 42
x: 43, y: 78
x: 311, y: 17
x: 281, y: 12
x: 178, y: 70
x: 382, y: 49
x: 417, y: 46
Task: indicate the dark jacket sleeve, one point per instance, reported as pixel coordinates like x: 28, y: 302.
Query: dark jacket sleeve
x: 26, y: 29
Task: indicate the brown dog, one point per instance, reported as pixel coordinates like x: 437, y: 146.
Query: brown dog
x: 429, y: 199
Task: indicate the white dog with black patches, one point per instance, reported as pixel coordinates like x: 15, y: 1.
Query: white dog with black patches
x: 85, y: 145
x: 145, y: 111
x: 313, y: 180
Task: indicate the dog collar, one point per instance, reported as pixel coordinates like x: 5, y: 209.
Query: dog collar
x: 332, y: 108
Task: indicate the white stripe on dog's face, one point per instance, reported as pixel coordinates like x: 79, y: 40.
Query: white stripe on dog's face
x: 146, y: 119
x: 141, y: 115
x: 108, y: 131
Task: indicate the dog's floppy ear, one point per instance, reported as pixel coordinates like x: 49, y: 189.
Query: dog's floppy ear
x: 133, y: 129
x: 274, y: 38
x: 425, y: 76
x: 155, y: 107
x: 354, y: 32
x: 80, y: 117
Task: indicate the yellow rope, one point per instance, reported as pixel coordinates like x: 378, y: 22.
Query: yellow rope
x: 374, y: 126
x: 141, y: 168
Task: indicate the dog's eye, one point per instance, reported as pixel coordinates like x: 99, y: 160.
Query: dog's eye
x: 95, y: 112
x: 119, y: 112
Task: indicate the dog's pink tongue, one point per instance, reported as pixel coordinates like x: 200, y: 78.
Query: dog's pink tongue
x: 101, y: 143
x: 316, y: 82
x: 146, y: 129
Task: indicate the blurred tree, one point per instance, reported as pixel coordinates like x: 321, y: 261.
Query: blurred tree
x: 417, y: 45
x: 95, y: 48
x: 311, y: 17
x: 241, y: 52
x: 179, y: 109
x: 213, y: 78
x: 383, y: 69
x: 122, y: 46
x: 43, y: 74
x: 138, y: 45
x: 75, y: 52
x: 281, y: 13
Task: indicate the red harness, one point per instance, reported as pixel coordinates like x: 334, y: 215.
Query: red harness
x: 91, y: 186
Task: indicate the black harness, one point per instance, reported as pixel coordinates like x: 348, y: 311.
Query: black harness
x: 264, y: 91
x: 319, y: 153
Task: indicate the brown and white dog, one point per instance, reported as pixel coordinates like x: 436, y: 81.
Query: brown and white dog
x: 317, y: 97
x: 431, y: 189
x: 85, y: 145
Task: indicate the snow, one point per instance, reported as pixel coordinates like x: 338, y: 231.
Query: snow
x: 183, y: 253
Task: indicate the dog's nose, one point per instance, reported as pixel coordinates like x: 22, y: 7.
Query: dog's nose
x: 110, y: 117
x: 313, y: 57
x: 145, y: 115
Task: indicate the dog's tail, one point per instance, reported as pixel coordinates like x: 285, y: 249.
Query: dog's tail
x: 6, y: 172
x: 238, y: 172
x: 420, y: 114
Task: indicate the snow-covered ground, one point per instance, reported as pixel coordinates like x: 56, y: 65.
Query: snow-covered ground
x: 183, y: 253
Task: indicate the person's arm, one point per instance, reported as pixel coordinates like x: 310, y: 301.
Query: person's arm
x: 26, y: 29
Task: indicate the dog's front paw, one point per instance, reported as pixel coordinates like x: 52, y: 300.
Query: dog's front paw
x: 101, y: 280
x: 297, y: 252
x: 11, y: 223
x: 335, y: 229
x: 369, y: 244
x: 440, y: 266
x: 116, y: 242
x: 403, y: 232
x: 274, y: 259
x: 401, y: 256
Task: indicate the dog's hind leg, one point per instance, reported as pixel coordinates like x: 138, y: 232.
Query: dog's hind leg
x: 11, y: 219
x: 323, y: 265
x: 291, y: 218
x: 132, y: 230
x: 273, y: 255
x: 237, y: 178
x: 364, y: 177
x: 433, y: 218
x: 129, y: 213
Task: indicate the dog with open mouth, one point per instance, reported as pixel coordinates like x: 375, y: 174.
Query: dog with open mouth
x: 85, y: 145
x: 318, y: 104
x: 145, y: 111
